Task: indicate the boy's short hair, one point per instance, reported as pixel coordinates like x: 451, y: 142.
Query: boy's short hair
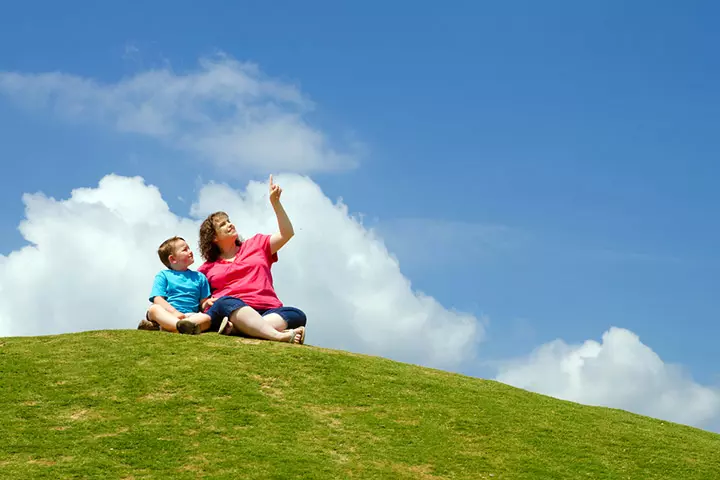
x: 166, y: 249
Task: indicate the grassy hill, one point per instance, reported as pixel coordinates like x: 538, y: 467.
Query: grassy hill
x: 135, y: 404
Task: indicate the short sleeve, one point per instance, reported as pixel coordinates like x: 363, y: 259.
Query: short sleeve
x: 204, y: 286
x: 264, y: 245
x: 160, y: 286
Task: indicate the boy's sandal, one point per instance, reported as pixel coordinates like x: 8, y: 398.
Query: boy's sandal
x: 186, y: 327
x: 146, y: 324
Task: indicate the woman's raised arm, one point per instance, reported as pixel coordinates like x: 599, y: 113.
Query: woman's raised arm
x: 285, y: 228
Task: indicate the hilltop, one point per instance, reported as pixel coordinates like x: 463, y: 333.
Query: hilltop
x: 134, y: 404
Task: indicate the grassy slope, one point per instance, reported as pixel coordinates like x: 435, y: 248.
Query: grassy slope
x: 132, y: 404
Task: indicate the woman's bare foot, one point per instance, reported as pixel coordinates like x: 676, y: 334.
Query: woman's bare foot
x: 226, y: 327
x: 296, y: 335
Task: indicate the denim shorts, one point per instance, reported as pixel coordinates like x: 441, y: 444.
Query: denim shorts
x: 225, y: 306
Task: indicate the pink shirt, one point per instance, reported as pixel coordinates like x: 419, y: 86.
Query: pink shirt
x: 247, y: 276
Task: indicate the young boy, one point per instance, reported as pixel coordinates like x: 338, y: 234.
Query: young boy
x: 178, y: 294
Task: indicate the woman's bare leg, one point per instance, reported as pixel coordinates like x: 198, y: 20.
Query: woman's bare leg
x: 249, y: 321
x: 276, y: 321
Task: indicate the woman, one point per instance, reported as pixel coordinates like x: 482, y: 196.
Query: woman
x: 241, y: 281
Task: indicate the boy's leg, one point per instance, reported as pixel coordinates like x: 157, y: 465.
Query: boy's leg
x: 167, y: 320
x: 203, y: 320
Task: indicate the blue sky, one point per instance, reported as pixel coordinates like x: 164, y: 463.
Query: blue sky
x: 551, y: 165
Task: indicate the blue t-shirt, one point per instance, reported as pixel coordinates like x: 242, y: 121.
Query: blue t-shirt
x: 182, y: 289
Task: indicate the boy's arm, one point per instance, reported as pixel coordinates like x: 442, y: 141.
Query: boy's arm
x: 158, y: 300
x: 206, y: 298
x: 160, y: 291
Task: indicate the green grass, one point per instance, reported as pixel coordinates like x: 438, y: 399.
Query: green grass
x: 135, y: 404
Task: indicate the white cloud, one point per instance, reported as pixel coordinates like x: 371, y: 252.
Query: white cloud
x: 93, y: 257
x: 226, y: 112
x: 619, y: 372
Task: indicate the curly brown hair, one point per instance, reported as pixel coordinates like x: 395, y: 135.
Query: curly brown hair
x: 208, y: 248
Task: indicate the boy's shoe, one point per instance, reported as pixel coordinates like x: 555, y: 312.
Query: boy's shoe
x: 186, y: 327
x: 146, y: 324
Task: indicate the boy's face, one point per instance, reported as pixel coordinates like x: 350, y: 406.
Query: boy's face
x: 224, y: 229
x: 182, y: 258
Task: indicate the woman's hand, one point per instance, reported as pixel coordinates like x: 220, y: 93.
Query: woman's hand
x: 208, y: 303
x: 285, y: 228
x: 275, y: 192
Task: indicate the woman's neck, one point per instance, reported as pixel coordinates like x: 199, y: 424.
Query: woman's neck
x: 228, y: 252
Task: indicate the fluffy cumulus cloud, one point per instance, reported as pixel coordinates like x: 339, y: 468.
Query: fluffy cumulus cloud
x: 92, y: 258
x: 619, y: 372
x: 225, y: 112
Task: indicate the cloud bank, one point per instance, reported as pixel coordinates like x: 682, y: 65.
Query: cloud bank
x: 226, y: 112
x: 619, y: 372
x: 91, y: 261
x: 92, y: 258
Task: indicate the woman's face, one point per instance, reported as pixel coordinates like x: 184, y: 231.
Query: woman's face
x: 224, y: 229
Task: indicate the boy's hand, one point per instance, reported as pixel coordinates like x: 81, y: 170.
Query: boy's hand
x: 275, y: 192
x: 179, y: 315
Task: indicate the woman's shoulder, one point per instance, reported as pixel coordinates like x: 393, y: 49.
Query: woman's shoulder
x: 205, y: 267
x: 255, y: 241
x: 258, y: 237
